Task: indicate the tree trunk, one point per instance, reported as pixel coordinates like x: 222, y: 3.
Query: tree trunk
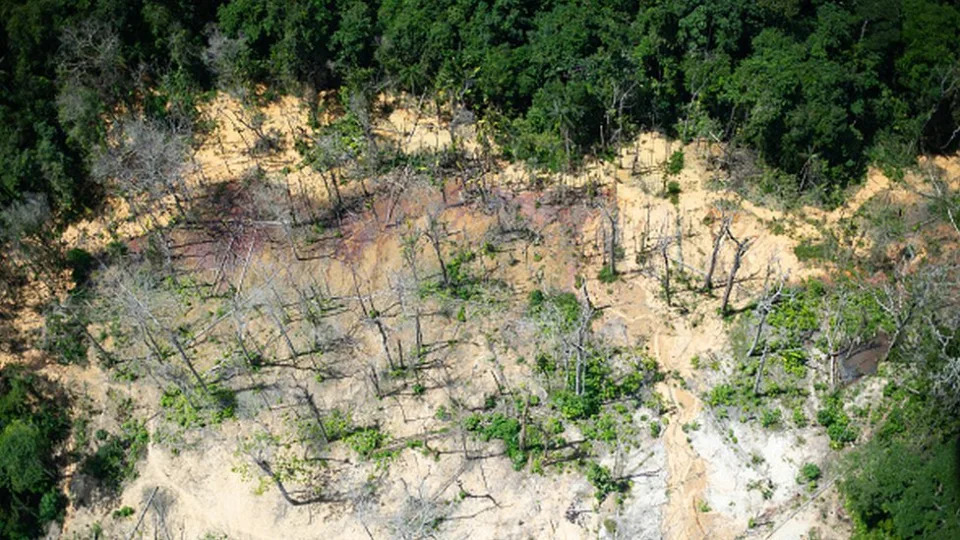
x: 612, y: 244
x: 742, y: 248
x: 383, y: 340
x: 717, y: 243
x: 419, y: 336
x: 666, y: 272
x: 435, y: 242
x: 756, y: 338
x: 679, y: 240
x: 187, y: 361
x: 759, y: 379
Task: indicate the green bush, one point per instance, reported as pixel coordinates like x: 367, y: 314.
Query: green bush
x: 115, y: 460
x: 366, y: 442
x: 565, y: 303
x: 204, y: 408
x: 770, y: 417
x: 81, y: 264
x: 574, y: 407
x: 799, y: 417
x: 64, y: 334
x: 502, y: 428
x: 603, y: 481
x: 810, y: 472
x: 607, y: 275
x: 604, y: 428
x: 808, y: 250
x: 123, y: 512
x: 674, y: 166
x: 721, y: 395
x: 838, y: 423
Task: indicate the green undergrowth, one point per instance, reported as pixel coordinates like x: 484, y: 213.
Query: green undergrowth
x: 580, y: 418
x: 792, y: 351
x: 115, y: 459
x: 463, y: 282
x: 201, y: 408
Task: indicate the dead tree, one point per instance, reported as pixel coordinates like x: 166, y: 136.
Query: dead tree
x: 911, y: 294
x: 832, y: 329
x: 764, y: 307
x: 944, y: 199
x: 611, y: 214
x: 275, y: 305
x: 760, y: 368
x: 717, y: 243
x: 146, y: 158
x: 679, y: 239
x: 436, y: 231
x: 946, y: 377
x: 153, y: 331
x: 663, y: 246
x: 582, y: 333
x: 409, y: 252
x: 742, y: 247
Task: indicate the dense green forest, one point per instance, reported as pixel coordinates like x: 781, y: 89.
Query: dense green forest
x: 817, y: 89
x: 33, y: 423
x: 814, y: 90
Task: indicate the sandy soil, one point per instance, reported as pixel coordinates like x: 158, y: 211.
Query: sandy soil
x: 690, y: 484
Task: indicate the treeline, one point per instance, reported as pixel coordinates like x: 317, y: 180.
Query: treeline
x: 817, y: 89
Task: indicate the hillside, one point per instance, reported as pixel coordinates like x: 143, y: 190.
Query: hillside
x: 317, y: 349
x: 468, y: 269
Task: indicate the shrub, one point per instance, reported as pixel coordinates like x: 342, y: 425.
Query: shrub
x: 442, y: 413
x: 807, y: 250
x: 675, y: 163
x: 81, y: 264
x: 838, y: 425
x: 503, y: 428
x: 366, y: 442
x: 114, y: 461
x: 673, y: 188
x: 603, y: 481
x: 770, y: 417
x: 722, y: 394
x: 574, y: 407
x: 123, y: 512
x: 64, y: 334
x: 799, y: 417
x: 607, y: 275
x: 810, y: 472
x: 213, y: 406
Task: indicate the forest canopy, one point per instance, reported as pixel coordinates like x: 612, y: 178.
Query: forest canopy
x: 817, y: 89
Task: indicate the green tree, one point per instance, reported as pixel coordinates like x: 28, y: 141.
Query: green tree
x: 32, y: 425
